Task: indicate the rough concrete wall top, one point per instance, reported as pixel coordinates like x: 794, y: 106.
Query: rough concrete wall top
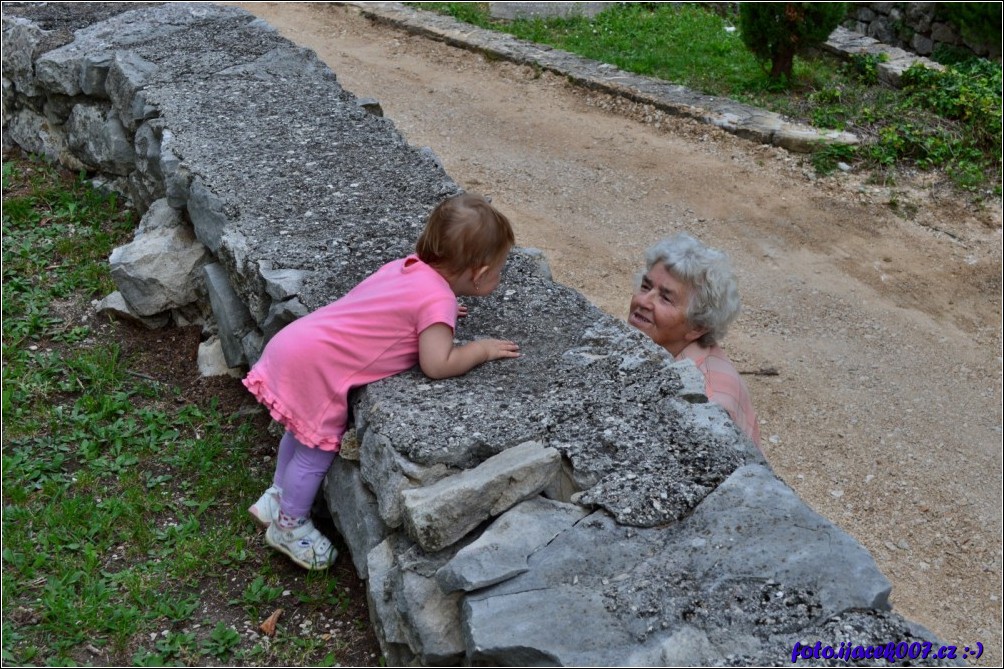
x: 280, y: 149
x: 602, y: 394
x: 60, y: 20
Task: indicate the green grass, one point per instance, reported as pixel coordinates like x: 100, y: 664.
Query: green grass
x: 123, y: 502
x: 949, y: 122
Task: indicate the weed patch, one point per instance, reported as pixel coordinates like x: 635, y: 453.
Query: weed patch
x: 126, y: 476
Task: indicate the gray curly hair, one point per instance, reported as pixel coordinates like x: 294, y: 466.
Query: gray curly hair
x: 714, y: 298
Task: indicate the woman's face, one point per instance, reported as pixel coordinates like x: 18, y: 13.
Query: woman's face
x: 659, y: 309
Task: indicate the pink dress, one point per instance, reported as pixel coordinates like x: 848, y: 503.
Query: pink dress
x: 725, y: 387
x: 307, y: 369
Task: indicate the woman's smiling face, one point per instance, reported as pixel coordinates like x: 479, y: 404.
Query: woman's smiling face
x: 659, y: 309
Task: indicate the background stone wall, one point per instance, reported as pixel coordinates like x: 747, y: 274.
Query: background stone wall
x: 915, y: 26
x: 582, y: 505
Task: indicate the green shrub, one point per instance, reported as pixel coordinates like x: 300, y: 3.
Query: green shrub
x: 864, y: 67
x: 825, y: 160
x: 976, y: 21
x: 778, y: 31
x: 949, y: 54
x: 969, y: 92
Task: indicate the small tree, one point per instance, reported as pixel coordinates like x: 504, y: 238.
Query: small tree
x: 776, y: 31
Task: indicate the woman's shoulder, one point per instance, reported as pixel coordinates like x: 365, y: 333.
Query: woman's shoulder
x: 719, y: 356
x: 711, y: 360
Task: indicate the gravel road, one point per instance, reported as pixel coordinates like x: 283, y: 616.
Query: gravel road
x: 878, y: 305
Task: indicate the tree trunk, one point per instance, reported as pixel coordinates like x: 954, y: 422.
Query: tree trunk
x: 783, y: 63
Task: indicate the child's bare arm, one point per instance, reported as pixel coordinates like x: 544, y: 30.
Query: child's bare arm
x: 440, y: 359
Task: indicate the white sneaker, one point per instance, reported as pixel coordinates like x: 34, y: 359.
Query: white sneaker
x: 266, y: 509
x: 304, y: 545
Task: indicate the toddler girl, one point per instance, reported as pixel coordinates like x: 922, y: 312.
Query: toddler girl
x: 402, y: 314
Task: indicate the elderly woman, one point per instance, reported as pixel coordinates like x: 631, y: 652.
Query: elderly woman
x: 685, y: 301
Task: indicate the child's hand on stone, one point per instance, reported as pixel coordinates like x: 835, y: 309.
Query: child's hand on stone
x: 462, y: 311
x: 498, y: 348
x: 439, y: 358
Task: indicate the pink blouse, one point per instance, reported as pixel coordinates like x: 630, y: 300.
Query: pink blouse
x: 724, y: 386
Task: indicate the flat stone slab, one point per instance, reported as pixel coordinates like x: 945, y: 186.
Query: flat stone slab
x: 847, y: 43
x: 353, y: 511
x: 502, y: 550
x: 750, y: 563
x: 440, y: 514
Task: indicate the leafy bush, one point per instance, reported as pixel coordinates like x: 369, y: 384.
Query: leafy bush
x: 777, y: 31
x: 825, y: 160
x: 968, y: 97
x: 969, y: 92
x: 864, y: 67
x: 950, y: 54
x: 976, y: 21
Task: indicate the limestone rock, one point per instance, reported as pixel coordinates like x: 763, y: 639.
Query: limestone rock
x: 22, y: 40
x: 161, y: 268
x: 388, y: 475
x: 35, y: 134
x: 439, y: 515
x: 421, y: 622
x: 753, y: 555
x: 212, y: 362
x: 231, y: 314
x: 99, y: 140
x: 208, y: 218
x: 281, y: 314
x: 281, y: 284
x: 354, y: 511
x: 115, y: 305
x: 503, y: 549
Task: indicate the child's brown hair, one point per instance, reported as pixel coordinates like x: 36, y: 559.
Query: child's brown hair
x: 464, y: 232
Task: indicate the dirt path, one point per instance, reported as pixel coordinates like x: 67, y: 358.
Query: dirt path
x: 879, y: 307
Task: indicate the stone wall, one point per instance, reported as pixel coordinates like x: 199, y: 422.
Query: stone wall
x: 915, y: 26
x: 582, y: 505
